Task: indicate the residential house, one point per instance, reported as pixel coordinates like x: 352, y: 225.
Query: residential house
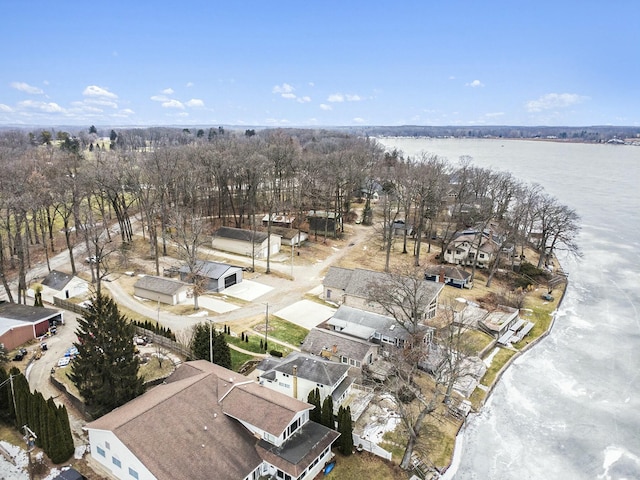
x: 298, y: 374
x: 208, y: 422
x: 161, y: 289
x: 453, y: 276
x: 245, y: 242
x: 321, y: 221
x: 217, y: 276
x: 376, y: 328
x: 338, y: 347
x: 467, y: 245
x: 20, y: 324
x: 352, y: 288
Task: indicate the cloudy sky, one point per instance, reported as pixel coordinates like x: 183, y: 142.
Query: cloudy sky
x: 320, y: 63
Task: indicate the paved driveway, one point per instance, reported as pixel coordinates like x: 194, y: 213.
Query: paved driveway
x: 306, y: 313
x: 247, y: 290
x: 214, y: 304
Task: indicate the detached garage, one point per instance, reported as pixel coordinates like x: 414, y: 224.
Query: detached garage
x: 218, y: 275
x: 245, y: 242
x: 161, y: 289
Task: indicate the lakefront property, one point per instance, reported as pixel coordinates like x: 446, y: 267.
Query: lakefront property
x: 363, y: 338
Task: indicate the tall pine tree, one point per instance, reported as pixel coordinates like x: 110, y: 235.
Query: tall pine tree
x: 106, y: 369
x: 345, y: 428
x: 327, y: 412
x: 315, y: 415
x: 201, y: 341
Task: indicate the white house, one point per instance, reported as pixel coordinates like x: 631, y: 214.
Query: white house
x: 245, y: 242
x: 298, y: 374
x: 464, y: 248
x: 208, y: 422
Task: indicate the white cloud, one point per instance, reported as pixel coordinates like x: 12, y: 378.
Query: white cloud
x: 554, y: 100
x: 5, y: 108
x: 284, y: 88
x: 290, y: 96
x: 49, y: 107
x: 101, y: 102
x: 183, y: 114
x: 358, y: 120
x: 189, y: 84
x: 339, y: 97
x: 95, y: 91
x: 494, y: 114
x: 305, y: 99
x: 160, y: 98
x: 451, y: 77
x: 173, y: 104
x: 475, y: 84
x: 311, y: 84
x: 324, y: 106
x: 127, y: 111
x: 167, y: 91
x: 25, y: 87
x: 195, y: 102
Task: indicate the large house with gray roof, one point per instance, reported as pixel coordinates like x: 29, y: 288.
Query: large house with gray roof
x: 298, y: 374
x: 209, y: 422
x: 352, y: 287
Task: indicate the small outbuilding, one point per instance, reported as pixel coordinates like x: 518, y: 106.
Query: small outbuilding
x: 290, y: 236
x: 217, y: 276
x: 245, y: 242
x: 160, y: 289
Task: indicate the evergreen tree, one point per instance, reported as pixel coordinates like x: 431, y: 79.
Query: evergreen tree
x: 345, y: 427
x: 106, y: 369
x: 221, y: 352
x: 315, y: 415
x: 63, y: 437
x: 327, y: 412
x: 200, y: 344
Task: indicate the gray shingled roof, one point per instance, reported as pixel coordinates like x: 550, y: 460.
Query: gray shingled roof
x: 320, y: 339
x: 208, y: 269
x: 56, y: 280
x: 380, y: 323
x: 26, y: 313
x: 337, y: 277
x: 312, y: 368
x: 240, y: 234
x: 165, y: 286
x: 455, y: 273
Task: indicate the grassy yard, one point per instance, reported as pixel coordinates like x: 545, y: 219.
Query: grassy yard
x: 499, y: 360
x: 253, y: 345
x: 364, y: 465
x: 238, y: 359
x: 287, y: 331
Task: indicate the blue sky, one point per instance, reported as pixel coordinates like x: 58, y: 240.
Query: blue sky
x: 320, y: 63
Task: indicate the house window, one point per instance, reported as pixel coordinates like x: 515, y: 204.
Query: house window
x: 101, y: 451
x: 328, y: 294
x: 106, y: 444
x: 269, y: 438
x: 344, y: 359
x: 354, y: 363
x: 133, y: 473
x: 116, y: 462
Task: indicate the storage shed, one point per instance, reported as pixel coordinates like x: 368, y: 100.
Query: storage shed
x: 245, y: 242
x: 218, y: 276
x: 161, y: 289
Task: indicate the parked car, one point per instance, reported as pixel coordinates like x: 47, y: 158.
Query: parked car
x: 91, y: 259
x: 64, y: 361
x: 20, y: 354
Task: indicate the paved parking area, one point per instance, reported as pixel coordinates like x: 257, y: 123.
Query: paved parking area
x: 215, y: 305
x: 306, y: 313
x: 247, y: 290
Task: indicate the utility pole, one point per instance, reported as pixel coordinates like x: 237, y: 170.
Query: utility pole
x: 30, y: 439
x: 210, y: 341
x: 266, y: 327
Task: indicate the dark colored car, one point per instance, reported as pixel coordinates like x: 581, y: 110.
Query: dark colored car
x: 20, y: 355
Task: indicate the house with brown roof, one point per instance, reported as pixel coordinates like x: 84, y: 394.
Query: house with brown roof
x: 468, y: 245
x: 209, y: 422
